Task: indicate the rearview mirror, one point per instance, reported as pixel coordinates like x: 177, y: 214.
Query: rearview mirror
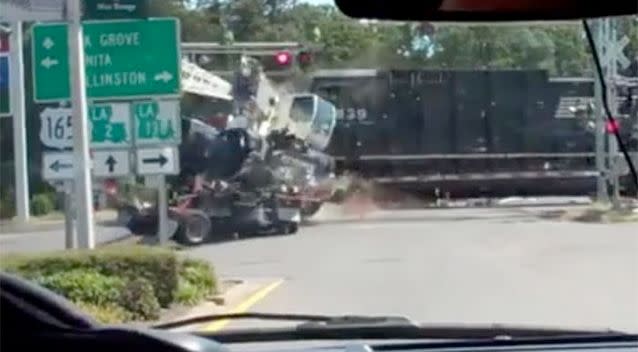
x: 485, y: 10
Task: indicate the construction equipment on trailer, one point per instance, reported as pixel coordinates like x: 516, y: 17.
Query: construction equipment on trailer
x: 257, y: 172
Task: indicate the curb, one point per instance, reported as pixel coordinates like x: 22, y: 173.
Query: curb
x: 240, y: 297
x: 38, y: 225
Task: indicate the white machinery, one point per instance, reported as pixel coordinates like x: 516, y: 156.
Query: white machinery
x: 198, y: 81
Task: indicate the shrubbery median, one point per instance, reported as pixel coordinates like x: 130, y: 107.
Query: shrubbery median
x: 119, y: 284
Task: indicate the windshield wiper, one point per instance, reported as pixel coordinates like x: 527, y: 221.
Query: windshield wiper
x: 235, y: 316
x: 324, y: 327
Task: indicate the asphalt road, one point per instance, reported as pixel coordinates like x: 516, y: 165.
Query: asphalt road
x: 54, y: 239
x: 446, y: 266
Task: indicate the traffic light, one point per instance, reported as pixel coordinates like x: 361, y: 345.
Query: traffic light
x: 304, y: 59
x: 287, y: 61
x: 283, y: 58
x: 612, y: 126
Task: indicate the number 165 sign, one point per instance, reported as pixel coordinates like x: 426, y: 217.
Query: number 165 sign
x: 109, y: 123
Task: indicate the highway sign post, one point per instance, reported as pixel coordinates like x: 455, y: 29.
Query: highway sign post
x: 157, y: 122
x: 111, y: 163
x: 103, y: 61
x: 157, y: 161
x: 123, y: 59
x: 82, y: 179
x: 18, y: 112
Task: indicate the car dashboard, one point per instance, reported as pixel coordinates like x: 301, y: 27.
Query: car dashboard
x: 529, y: 345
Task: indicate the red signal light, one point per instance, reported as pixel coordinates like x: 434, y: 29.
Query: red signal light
x: 305, y: 58
x: 283, y: 58
x: 612, y: 126
x: 110, y: 187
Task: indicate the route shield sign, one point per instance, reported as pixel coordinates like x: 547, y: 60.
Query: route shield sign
x: 157, y: 122
x: 110, y: 126
x: 55, y: 128
x: 123, y: 59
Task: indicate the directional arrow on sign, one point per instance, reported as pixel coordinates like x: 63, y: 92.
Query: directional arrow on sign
x: 157, y: 161
x: 47, y: 62
x: 58, y: 165
x: 110, y: 162
x: 164, y: 76
x: 161, y: 160
x: 48, y: 43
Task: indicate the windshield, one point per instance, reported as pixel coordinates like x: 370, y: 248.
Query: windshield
x: 449, y: 173
x: 303, y: 109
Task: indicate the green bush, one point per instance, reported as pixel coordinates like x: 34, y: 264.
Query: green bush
x: 109, y: 314
x: 199, y: 273
x: 41, y: 204
x: 159, y: 266
x: 196, y: 281
x: 118, y: 283
x: 84, y: 285
x: 187, y: 293
x: 138, y: 298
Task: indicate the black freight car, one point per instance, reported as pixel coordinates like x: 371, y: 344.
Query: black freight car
x: 466, y: 132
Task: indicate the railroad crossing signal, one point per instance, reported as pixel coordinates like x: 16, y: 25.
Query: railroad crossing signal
x: 615, y: 50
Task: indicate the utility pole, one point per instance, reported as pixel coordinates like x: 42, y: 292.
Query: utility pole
x: 82, y: 170
x: 601, y: 182
x: 19, y: 123
x: 614, y: 162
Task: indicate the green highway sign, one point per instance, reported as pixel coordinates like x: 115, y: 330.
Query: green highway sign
x: 109, y: 9
x: 157, y: 122
x: 123, y: 59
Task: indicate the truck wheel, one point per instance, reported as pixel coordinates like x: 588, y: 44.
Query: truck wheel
x: 339, y: 196
x: 126, y: 214
x: 195, y: 229
x: 311, y: 209
x: 289, y: 228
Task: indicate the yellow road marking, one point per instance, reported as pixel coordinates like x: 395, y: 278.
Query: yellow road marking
x: 243, y: 306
